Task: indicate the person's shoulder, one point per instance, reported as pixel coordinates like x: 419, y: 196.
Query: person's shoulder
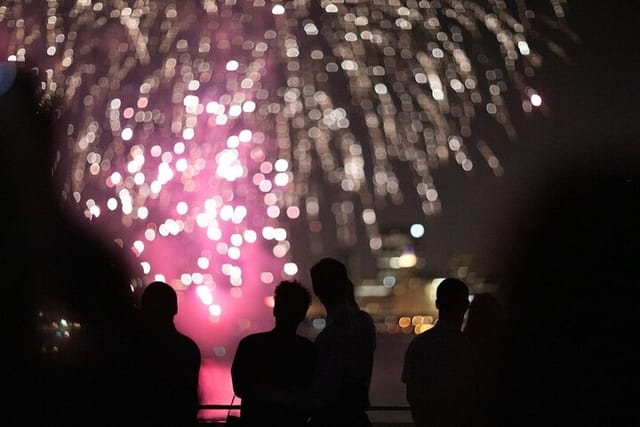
x: 367, y: 319
x: 187, y: 341
x: 304, y: 346
x: 365, y: 316
x: 424, y: 338
x: 255, y: 338
x: 303, y: 341
x: 327, y: 334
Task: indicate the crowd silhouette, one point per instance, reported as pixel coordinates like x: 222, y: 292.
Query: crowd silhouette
x: 536, y: 360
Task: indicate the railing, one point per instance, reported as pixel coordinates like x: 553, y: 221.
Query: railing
x: 371, y: 408
x: 377, y: 417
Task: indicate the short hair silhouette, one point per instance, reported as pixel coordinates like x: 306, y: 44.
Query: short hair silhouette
x: 330, y: 281
x: 452, y: 298
x: 169, y: 363
x: 159, y: 300
x: 292, y: 301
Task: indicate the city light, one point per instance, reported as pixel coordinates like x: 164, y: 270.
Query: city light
x: 416, y: 231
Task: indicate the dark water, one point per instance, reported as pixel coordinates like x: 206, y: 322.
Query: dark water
x: 386, y: 387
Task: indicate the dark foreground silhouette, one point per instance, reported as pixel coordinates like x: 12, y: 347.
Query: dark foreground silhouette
x: 272, y: 371
x: 439, y: 369
x: 70, y: 313
x: 572, y: 279
x: 345, y: 351
x: 169, y: 363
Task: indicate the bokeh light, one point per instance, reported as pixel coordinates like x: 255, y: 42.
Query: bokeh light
x: 416, y: 230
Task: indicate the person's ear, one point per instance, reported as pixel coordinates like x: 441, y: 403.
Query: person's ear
x: 437, y: 304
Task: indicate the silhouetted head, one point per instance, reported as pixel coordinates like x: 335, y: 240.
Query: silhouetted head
x: 159, y: 302
x: 452, y: 299
x: 330, y: 282
x: 292, y: 301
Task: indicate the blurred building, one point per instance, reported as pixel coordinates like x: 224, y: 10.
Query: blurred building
x: 399, y: 290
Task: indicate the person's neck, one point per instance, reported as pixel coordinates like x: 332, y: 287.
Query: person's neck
x: 332, y: 309
x: 449, y: 322
x: 158, y: 327
x: 286, y: 329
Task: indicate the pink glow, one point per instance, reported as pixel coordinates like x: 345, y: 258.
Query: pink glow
x: 215, y: 388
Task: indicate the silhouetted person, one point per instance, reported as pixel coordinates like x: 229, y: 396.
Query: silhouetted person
x: 345, y: 351
x: 485, y: 330
x: 169, y: 363
x: 572, y: 282
x: 272, y: 371
x: 439, y: 364
x: 60, y: 280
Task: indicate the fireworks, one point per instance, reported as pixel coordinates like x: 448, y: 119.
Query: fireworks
x: 198, y: 133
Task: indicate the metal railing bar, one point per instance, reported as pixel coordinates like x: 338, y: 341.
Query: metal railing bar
x: 370, y: 408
